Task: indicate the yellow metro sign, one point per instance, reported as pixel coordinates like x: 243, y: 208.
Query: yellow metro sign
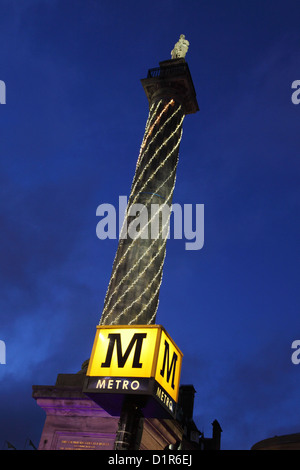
x: 142, y: 359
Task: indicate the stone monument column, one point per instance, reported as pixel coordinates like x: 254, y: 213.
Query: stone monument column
x: 73, y: 420
x: 133, y: 291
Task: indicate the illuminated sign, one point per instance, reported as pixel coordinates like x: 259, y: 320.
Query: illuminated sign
x: 141, y: 360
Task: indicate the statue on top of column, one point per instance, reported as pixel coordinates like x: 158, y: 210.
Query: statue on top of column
x: 180, y: 48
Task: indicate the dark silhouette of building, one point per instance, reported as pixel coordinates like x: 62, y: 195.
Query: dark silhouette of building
x: 284, y: 442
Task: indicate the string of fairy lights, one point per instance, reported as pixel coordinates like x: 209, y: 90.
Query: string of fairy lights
x: 135, y: 198
x: 163, y: 230
x: 129, y: 272
x: 152, y: 132
x: 151, y: 117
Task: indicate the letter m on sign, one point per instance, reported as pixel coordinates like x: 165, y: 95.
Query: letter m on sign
x: 170, y: 368
x: 115, y: 339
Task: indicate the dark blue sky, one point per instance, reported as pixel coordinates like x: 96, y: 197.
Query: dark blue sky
x: 70, y: 137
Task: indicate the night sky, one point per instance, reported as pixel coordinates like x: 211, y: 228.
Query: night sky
x: 71, y: 131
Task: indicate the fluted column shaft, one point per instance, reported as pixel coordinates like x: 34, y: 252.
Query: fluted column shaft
x: 133, y: 291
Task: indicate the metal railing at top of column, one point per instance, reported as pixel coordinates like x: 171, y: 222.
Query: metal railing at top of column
x: 167, y: 71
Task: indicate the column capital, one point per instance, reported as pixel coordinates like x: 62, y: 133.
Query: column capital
x: 172, y: 79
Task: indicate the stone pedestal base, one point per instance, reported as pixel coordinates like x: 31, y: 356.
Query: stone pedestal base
x: 72, y: 420
x: 75, y: 422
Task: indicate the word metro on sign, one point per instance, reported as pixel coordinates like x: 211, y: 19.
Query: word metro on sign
x: 141, y: 360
